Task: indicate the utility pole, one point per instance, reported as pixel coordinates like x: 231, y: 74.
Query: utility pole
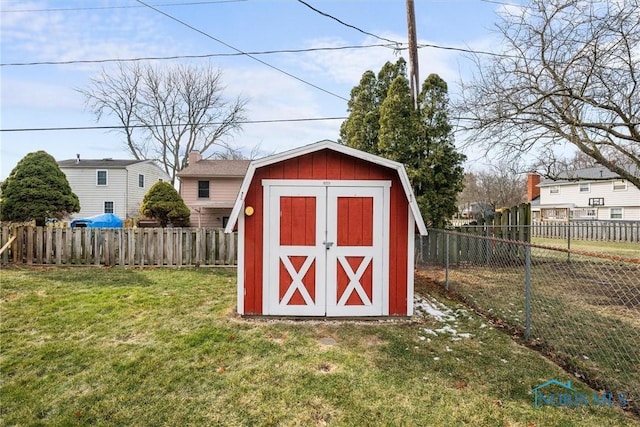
x: 414, y: 75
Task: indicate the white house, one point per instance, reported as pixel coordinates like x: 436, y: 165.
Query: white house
x: 588, y: 194
x: 111, y: 186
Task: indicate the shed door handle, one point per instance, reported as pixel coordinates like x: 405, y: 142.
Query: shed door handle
x: 328, y: 245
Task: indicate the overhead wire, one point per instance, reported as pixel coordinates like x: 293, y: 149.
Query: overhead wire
x: 395, y: 45
x: 207, y: 55
x: 242, y: 52
x: 116, y: 127
x: 349, y: 25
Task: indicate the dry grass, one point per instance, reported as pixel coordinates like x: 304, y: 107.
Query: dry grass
x: 93, y: 346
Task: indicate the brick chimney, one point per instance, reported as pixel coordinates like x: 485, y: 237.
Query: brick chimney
x: 533, y: 191
x: 194, y: 157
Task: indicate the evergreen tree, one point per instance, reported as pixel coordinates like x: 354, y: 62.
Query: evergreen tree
x: 36, y: 190
x: 420, y: 139
x: 398, y: 124
x: 441, y: 173
x: 361, y: 128
x: 162, y: 202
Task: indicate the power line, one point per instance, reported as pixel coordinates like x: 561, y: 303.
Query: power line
x: 116, y: 127
x: 67, y: 9
x: 264, y: 52
x: 349, y: 25
x: 208, y: 55
x: 240, y: 51
x: 460, y: 49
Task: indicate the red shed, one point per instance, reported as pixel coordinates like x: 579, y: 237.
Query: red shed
x: 325, y: 230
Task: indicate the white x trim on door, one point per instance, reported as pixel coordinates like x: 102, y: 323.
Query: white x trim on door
x: 296, y: 283
x: 326, y: 256
x: 354, y: 280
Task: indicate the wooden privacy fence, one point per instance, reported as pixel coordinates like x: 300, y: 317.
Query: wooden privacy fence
x: 609, y: 231
x: 119, y: 246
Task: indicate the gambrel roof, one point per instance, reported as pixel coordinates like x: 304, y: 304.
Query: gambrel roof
x: 334, y: 146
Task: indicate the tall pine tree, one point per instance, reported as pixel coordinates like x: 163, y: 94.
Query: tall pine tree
x: 382, y: 120
x: 441, y: 173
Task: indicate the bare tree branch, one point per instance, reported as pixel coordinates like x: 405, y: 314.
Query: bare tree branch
x: 570, y: 79
x: 168, y: 112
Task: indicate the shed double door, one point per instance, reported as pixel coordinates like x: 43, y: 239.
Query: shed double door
x: 325, y: 251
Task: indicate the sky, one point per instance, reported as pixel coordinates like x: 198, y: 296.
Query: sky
x: 314, y: 84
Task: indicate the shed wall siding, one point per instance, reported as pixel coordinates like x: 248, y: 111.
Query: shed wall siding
x: 328, y: 165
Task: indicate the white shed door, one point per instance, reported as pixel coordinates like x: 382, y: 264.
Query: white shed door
x: 325, y: 251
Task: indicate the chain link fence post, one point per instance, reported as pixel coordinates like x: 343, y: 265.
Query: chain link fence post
x: 527, y: 292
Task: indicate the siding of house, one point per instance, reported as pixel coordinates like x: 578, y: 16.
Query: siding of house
x: 628, y: 199
x: 222, y: 194
x: 135, y: 193
x: 122, y: 188
x: 221, y: 190
x: 92, y: 196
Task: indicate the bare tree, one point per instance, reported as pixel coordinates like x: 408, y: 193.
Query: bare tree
x: 228, y: 152
x: 501, y: 186
x: 166, y: 113
x: 569, y: 76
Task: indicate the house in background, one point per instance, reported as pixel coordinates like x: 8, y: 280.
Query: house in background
x: 110, y: 185
x: 593, y: 193
x: 209, y: 188
x: 533, y: 195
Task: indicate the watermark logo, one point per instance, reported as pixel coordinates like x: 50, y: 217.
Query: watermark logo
x: 557, y: 393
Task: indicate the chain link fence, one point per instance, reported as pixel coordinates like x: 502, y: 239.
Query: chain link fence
x: 581, y: 309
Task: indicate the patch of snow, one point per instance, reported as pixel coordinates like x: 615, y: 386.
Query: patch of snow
x: 432, y: 307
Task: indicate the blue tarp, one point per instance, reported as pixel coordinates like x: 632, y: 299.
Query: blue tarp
x: 98, y: 221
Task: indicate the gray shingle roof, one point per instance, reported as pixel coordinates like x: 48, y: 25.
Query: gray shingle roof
x: 98, y: 163
x: 220, y: 168
x: 587, y: 174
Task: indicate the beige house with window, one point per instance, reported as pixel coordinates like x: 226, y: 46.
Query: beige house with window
x: 209, y: 188
x: 590, y: 194
x: 111, y: 185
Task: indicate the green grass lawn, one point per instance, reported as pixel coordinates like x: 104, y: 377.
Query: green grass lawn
x: 100, y: 346
x: 625, y: 249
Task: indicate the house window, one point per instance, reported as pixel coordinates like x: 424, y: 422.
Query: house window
x: 225, y: 221
x: 203, y: 189
x: 554, y: 189
x: 585, y: 187
x: 141, y: 181
x: 108, y: 207
x: 101, y: 178
x: 619, y: 185
x: 615, y: 213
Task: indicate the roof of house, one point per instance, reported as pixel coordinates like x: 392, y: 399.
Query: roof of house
x: 334, y: 146
x: 596, y: 173
x: 216, y: 168
x: 98, y: 163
